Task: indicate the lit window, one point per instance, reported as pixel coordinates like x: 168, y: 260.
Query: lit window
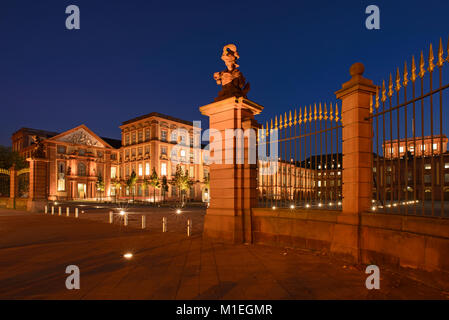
x: 446, y: 165
x: 183, y: 153
x: 191, y: 172
x: 163, y: 169
x: 427, y: 166
x: 140, y: 170
x: 164, y: 135
x: 164, y: 150
x: 401, y: 149
x: 435, y: 146
x: 61, y: 184
x: 147, y: 169
x: 113, y: 172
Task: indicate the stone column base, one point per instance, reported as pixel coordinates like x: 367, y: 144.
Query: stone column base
x: 224, y: 228
x: 11, y: 204
x: 36, y: 205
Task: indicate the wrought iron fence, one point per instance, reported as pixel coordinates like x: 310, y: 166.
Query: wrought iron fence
x: 23, y: 178
x: 4, y: 183
x: 410, y: 158
x: 305, y: 172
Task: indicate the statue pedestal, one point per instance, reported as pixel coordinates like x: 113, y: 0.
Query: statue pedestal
x: 233, y: 187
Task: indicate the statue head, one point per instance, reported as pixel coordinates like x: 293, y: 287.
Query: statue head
x: 230, y: 56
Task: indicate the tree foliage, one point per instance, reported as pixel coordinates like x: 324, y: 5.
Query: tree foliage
x: 8, y: 158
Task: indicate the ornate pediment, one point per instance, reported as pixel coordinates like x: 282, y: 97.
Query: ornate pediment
x: 81, y: 137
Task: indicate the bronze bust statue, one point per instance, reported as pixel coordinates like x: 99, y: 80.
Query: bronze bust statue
x: 232, y: 80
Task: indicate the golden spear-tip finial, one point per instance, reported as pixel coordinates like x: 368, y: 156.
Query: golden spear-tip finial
x: 267, y: 132
x: 413, y: 76
x: 331, y: 113
x: 325, y: 111
x: 285, y: 120
x: 405, y: 82
x: 315, y: 117
x: 271, y: 129
x: 290, y: 118
x: 440, y: 54
x: 320, y: 113
x: 384, y: 91
x: 377, y: 97
x: 295, y: 118
x: 371, y: 103
x: 431, y: 58
x: 336, y: 112
x: 280, y: 122
x: 390, y: 86
x: 275, y: 122
x: 300, y: 115
x: 310, y: 114
x: 422, y: 69
x: 398, y: 81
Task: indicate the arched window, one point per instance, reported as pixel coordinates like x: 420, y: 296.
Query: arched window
x: 81, y: 169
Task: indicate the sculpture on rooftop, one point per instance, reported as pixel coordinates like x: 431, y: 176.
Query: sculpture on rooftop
x: 38, y: 150
x: 232, y: 80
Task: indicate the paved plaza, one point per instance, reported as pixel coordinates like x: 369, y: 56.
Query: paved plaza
x: 35, y: 250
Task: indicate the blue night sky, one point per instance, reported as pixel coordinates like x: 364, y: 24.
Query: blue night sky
x: 134, y: 57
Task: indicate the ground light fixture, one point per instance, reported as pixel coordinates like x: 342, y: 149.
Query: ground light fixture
x: 178, y: 211
x: 122, y: 213
x: 292, y: 206
x: 128, y: 255
x: 273, y: 207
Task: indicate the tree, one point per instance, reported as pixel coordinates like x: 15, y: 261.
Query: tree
x: 8, y: 158
x: 100, y: 185
x: 182, y: 181
x: 164, y: 187
x: 131, y: 182
x: 155, y: 183
x: 117, y: 183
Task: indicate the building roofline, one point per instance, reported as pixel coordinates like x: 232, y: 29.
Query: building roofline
x: 160, y: 115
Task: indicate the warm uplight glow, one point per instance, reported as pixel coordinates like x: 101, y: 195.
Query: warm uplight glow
x: 273, y: 207
x: 331, y: 204
x: 122, y: 213
x: 339, y: 203
x: 373, y: 208
x: 292, y: 207
x: 320, y: 204
x: 128, y: 255
x: 307, y: 205
x: 178, y: 211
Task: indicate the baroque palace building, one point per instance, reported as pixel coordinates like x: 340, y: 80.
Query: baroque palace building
x: 78, y: 159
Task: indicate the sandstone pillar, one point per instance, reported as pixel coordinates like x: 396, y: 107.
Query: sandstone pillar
x: 38, y: 193
x: 232, y: 186
x: 13, y: 188
x: 357, y: 155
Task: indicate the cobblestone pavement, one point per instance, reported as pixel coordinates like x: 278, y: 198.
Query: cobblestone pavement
x: 35, y: 250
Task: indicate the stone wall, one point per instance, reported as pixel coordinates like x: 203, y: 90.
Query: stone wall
x: 384, y: 239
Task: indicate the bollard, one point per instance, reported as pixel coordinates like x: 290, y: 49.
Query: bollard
x: 126, y: 219
x: 144, y: 222
x: 59, y: 210
x: 111, y: 216
x: 164, y: 224
x: 189, y: 227
x: 68, y: 211
x: 52, y: 210
x: 76, y: 212
x: 46, y: 210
